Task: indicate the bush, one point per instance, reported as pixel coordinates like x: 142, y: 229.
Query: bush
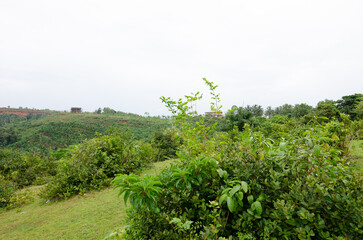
x: 7, y: 189
x: 94, y: 162
x: 242, y: 185
x: 25, y: 169
x: 251, y: 189
x: 166, y: 144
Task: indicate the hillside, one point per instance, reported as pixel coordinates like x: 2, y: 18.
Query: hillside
x: 23, y: 112
x: 60, y: 129
x: 83, y: 217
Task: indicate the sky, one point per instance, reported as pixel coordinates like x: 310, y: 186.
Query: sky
x: 127, y: 54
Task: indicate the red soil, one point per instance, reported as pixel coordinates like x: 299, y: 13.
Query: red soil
x: 19, y: 112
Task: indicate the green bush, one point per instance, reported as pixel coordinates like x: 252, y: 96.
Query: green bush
x: 299, y: 189
x: 166, y: 144
x: 94, y: 162
x: 7, y: 189
x: 242, y: 185
x: 25, y: 169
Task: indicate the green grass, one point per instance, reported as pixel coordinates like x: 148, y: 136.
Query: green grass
x: 356, y: 151
x: 90, y: 216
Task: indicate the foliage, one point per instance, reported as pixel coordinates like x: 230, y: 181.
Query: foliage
x: 107, y: 110
x: 8, y: 118
x: 239, y: 117
x: 242, y: 185
x: 7, y: 189
x: 64, y: 129
x: 359, y: 110
x: 327, y: 109
x: 7, y: 136
x: 349, y: 103
x: 165, y: 143
x: 20, y: 198
x: 94, y: 162
x: 256, y: 110
x: 301, y: 110
x: 25, y: 169
x: 285, y: 110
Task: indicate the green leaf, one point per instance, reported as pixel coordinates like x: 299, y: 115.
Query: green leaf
x: 283, y: 146
x: 222, y: 173
x: 230, y: 204
x: 250, y: 199
x: 226, y: 190
x: 257, y: 207
x: 261, y: 197
x: 126, y: 196
x: 240, y: 196
x: 175, y: 220
x: 187, y: 224
x: 244, y: 186
x: 234, y: 190
x: 222, y: 199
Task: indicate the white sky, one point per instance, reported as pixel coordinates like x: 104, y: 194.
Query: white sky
x: 58, y: 54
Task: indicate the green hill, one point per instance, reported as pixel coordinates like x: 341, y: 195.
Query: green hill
x: 59, y: 129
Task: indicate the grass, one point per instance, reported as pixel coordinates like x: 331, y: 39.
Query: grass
x: 356, y: 151
x: 90, y: 216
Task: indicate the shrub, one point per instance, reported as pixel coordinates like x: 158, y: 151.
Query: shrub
x: 242, y: 185
x: 7, y: 189
x: 166, y: 144
x: 94, y: 162
x: 25, y: 169
x: 296, y: 189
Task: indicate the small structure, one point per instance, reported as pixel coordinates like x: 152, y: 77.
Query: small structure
x: 214, y: 114
x: 76, y: 110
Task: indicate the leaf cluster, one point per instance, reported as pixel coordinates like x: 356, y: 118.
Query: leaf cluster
x: 244, y: 185
x: 92, y: 164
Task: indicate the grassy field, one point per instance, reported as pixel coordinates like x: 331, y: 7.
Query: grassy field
x: 90, y: 216
x: 356, y: 150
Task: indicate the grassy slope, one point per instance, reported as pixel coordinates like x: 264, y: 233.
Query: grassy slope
x: 64, y: 129
x: 356, y: 150
x: 83, y: 217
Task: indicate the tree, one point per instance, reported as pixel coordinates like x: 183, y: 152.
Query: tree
x: 108, y: 110
x: 285, y: 110
x: 349, y: 103
x: 327, y: 109
x: 7, y: 136
x: 269, y: 112
x: 98, y: 111
x: 256, y: 110
x: 239, y: 117
x: 359, y: 110
x: 301, y: 110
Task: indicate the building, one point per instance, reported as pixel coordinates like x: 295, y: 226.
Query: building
x: 214, y: 114
x: 76, y: 110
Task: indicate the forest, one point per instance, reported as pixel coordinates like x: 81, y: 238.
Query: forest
x: 290, y: 172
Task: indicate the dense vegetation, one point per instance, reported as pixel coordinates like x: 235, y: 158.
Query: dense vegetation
x: 60, y: 130
x: 282, y: 173
x: 90, y: 165
x: 291, y: 181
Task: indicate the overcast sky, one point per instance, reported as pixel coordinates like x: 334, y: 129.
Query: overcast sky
x: 123, y: 54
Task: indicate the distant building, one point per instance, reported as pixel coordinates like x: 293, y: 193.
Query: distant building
x: 214, y: 114
x: 76, y: 110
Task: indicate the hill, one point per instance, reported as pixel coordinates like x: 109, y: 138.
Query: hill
x: 23, y: 112
x: 55, y: 130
